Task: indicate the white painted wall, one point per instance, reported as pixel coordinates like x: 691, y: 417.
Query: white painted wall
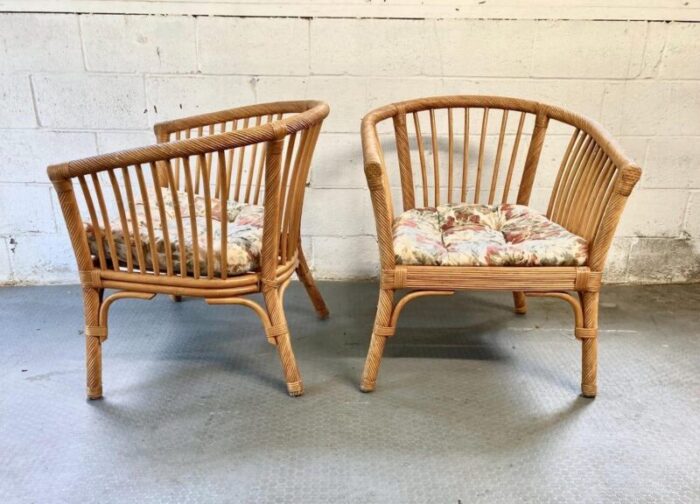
x: 73, y: 84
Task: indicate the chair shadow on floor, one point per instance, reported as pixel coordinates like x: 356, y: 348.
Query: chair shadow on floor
x: 468, y: 327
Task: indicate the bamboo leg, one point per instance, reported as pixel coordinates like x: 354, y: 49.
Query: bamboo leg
x: 175, y: 298
x: 304, y: 274
x: 385, y: 308
x: 520, y: 302
x: 275, y: 310
x: 589, y: 359
x: 93, y: 344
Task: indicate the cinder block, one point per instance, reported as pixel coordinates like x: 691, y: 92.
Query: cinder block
x: 672, y: 162
x: 635, y: 148
x: 270, y: 88
x: 347, y: 97
x: 654, y: 260
x: 480, y: 48
x: 338, y: 162
x: 639, y: 107
x: 40, y: 43
x: 373, y: 47
x: 681, y: 57
x: 384, y: 90
x: 692, y: 217
x: 653, y: 52
x: 43, y: 258
x: 618, y: 257
x: 174, y: 97
x: 351, y: 257
x: 113, y: 141
x: 257, y: 46
x: 152, y: 44
x: 652, y: 107
x: 330, y: 212
x: 654, y: 213
x: 587, y: 49
x: 26, y: 153
x: 91, y: 101
x: 26, y: 209
x: 567, y: 93
x: 5, y: 267
x: 17, y: 109
x: 681, y: 116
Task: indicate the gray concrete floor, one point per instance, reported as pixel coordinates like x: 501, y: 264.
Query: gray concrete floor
x: 473, y: 403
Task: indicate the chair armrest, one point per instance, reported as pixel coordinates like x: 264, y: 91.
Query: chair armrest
x: 594, y: 181
x: 275, y: 110
x: 380, y: 191
x: 162, y: 152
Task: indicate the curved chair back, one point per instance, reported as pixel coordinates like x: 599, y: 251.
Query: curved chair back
x: 487, y: 149
x: 256, y: 155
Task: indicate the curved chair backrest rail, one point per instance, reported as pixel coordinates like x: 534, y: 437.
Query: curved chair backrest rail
x: 448, y: 148
x: 158, y: 210
x: 305, y: 115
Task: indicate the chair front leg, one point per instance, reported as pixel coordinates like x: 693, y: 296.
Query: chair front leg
x: 520, y: 302
x: 385, y: 309
x: 304, y: 274
x: 280, y: 332
x: 589, y: 357
x: 93, y: 342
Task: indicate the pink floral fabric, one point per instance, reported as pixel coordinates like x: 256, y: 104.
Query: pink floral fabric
x: 243, y: 235
x: 484, y: 235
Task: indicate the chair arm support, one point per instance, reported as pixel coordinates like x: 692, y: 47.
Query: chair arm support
x: 628, y: 177
x: 380, y: 192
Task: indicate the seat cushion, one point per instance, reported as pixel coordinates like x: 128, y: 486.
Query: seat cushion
x: 244, y: 234
x: 484, y: 235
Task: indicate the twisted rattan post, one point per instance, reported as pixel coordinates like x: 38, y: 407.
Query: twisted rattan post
x: 380, y: 333
x: 520, y: 302
x: 247, y: 156
x: 589, y: 345
x: 592, y: 185
x: 93, y: 342
x: 304, y: 274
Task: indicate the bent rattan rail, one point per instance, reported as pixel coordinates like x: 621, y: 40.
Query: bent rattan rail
x: 210, y: 171
x: 585, y: 199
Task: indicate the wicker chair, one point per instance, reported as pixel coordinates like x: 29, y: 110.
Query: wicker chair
x: 157, y: 219
x: 442, y: 240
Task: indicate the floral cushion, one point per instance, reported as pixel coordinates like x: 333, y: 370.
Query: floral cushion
x: 484, y: 235
x: 244, y: 235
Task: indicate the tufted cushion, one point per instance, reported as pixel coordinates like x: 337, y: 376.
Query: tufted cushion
x: 244, y: 234
x: 484, y: 235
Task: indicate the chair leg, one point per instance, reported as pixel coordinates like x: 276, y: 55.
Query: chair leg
x: 385, y: 308
x: 520, y: 302
x: 93, y: 344
x: 175, y: 299
x: 304, y: 274
x: 275, y: 311
x: 589, y: 357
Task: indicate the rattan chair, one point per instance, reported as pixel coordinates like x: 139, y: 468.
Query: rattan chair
x: 211, y: 211
x: 464, y: 222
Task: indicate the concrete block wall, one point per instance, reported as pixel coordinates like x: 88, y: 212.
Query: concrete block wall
x: 75, y: 84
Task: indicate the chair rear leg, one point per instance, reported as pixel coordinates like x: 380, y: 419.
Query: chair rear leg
x: 280, y: 332
x: 176, y: 299
x: 385, y: 308
x: 520, y: 302
x: 589, y: 357
x: 93, y: 342
x: 304, y: 274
